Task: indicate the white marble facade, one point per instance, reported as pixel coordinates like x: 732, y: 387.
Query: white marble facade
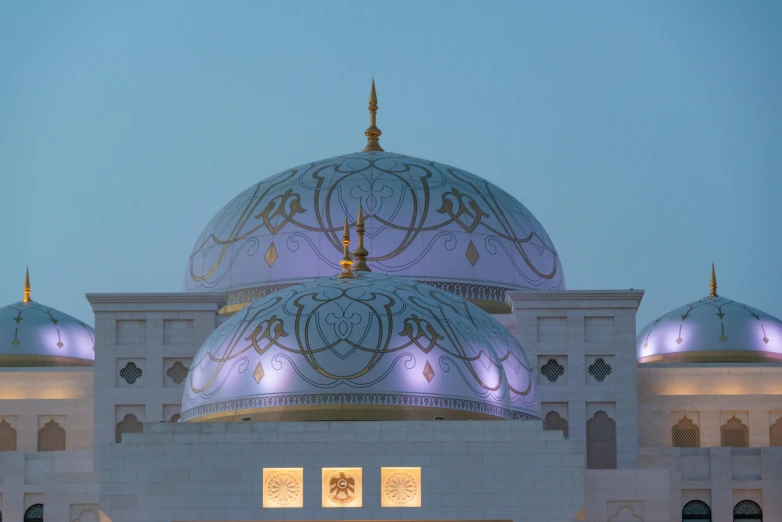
x: 470, y: 470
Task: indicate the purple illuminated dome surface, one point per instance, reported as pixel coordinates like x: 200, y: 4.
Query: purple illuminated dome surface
x: 712, y: 329
x: 32, y: 334
x: 425, y: 221
x: 373, y: 347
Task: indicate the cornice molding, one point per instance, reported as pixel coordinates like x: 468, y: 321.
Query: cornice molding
x: 566, y: 298
x: 215, y: 299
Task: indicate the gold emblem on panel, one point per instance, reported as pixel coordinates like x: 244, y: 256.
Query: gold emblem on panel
x: 342, y: 487
x: 400, y: 487
x: 283, y: 488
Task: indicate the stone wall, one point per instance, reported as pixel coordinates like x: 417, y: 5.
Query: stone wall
x: 142, y: 344
x: 708, y: 394
x: 720, y: 477
x: 575, y: 328
x: 471, y: 470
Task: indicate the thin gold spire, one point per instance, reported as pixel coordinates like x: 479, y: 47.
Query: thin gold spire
x: 373, y: 133
x: 346, y: 262
x: 26, y: 298
x: 360, y: 253
x: 713, y: 283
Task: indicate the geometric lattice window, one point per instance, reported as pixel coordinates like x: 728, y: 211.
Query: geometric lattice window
x: 34, y: 513
x: 554, y: 422
x: 552, y: 369
x: 686, y: 434
x: 177, y: 372
x: 747, y: 510
x: 51, y: 437
x: 131, y: 373
x: 601, y: 442
x: 7, y: 438
x: 174, y: 418
x: 599, y: 369
x: 129, y: 424
x: 696, y: 510
x: 776, y: 433
x: 734, y: 434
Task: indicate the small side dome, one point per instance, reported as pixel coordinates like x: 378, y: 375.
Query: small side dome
x: 361, y: 346
x: 32, y: 334
x: 712, y: 329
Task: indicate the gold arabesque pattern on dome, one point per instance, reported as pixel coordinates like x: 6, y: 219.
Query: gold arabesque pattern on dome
x: 370, y: 340
x: 417, y: 214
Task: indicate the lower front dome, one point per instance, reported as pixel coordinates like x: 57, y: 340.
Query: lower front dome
x: 371, y: 348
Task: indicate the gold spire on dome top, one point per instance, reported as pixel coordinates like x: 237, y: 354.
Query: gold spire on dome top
x: 26, y: 298
x: 713, y: 283
x: 373, y: 133
x: 360, y: 253
x: 346, y: 262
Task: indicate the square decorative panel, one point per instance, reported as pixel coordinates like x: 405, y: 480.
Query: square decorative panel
x: 283, y: 487
x: 341, y: 487
x: 400, y: 487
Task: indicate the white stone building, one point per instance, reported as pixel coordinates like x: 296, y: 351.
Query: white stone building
x: 440, y: 371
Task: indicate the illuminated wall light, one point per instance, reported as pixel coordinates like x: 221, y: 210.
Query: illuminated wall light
x: 400, y: 487
x: 283, y: 487
x: 341, y: 487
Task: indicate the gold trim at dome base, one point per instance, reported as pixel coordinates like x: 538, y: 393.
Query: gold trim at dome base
x: 343, y: 412
x: 714, y: 356
x: 40, y: 361
x: 241, y: 298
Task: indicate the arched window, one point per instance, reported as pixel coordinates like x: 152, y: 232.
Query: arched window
x: 34, y: 513
x: 51, y: 437
x: 685, y: 434
x: 7, y: 438
x: 129, y: 424
x: 601, y: 442
x: 747, y: 510
x: 776, y: 433
x: 553, y: 422
x: 696, y: 510
x: 734, y: 434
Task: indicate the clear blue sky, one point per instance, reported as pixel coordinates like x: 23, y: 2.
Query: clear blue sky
x: 645, y: 136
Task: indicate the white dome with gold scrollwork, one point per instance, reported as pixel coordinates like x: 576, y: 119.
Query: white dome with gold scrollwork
x: 425, y: 221
x: 372, y: 347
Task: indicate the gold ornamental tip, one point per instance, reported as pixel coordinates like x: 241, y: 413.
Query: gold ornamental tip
x: 26, y: 298
x: 346, y: 262
x: 373, y: 133
x: 360, y: 253
x: 713, y: 283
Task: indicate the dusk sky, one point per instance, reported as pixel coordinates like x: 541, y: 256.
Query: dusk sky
x: 646, y: 137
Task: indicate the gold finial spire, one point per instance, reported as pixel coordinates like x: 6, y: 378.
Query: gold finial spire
x: 346, y: 262
x: 26, y: 298
x: 360, y: 253
x: 713, y: 283
x: 373, y: 133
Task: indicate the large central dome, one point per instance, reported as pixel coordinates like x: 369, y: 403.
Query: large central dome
x: 371, y: 347
x: 425, y: 221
